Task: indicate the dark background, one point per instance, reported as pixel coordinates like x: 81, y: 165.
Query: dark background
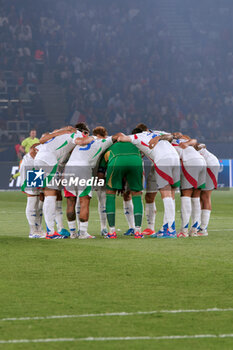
x: 116, y: 63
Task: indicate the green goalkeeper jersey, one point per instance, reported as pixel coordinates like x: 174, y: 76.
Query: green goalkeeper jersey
x: 122, y: 162
x: 119, y: 149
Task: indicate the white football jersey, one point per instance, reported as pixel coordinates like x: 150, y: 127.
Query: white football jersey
x: 187, y: 153
x: 57, y: 149
x: 210, y: 158
x: 27, y: 160
x: 89, y: 154
x: 163, y: 149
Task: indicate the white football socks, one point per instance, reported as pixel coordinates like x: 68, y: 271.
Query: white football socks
x: 186, y: 209
x: 59, y: 216
x: 196, y: 212
x: 150, y: 211
x: 83, y: 228
x: 129, y: 214
x: 169, y: 212
x: 205, y: 218
x: 101, y: 195
x: 72, y: 227
x: 138, y: 229
x: 49, y: 210
x: 112, y: 229
x: 31, y: 210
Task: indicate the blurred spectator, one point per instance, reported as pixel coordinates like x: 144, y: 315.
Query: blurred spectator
x: 118, y: 62
x: 24, y: 94
x: 39, y: 61
x: 3, y: 85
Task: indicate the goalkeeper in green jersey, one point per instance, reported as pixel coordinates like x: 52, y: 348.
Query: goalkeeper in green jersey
x: 123, y: 162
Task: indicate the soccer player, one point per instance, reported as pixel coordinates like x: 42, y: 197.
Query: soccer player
x: 28, y: 164
x: 212, y: 171
x: 33, y: 207
x: 151, y: 191
x: 101, y: 196
x: 81, y: 164
x: 150, y: 207
x: 54, y: 151
x: 166, y: 162
x: 193, y: 178
x: 122, y: 161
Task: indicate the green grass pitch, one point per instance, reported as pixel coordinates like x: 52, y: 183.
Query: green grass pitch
x: 40, y: 278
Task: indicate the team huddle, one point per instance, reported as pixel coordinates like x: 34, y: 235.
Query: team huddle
x: 73, y: 161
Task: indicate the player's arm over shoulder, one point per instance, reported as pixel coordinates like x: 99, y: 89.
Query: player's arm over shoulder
x: 33, y: 150
x: 179, y: 135
x: 58, y: 132
x: 83, y: 141
x: 191, y: 142
x: 116, y: 136
x: 124, y: 138
x: 165, y: 137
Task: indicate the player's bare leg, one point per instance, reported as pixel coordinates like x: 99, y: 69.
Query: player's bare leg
x: 205, y: 198
x: 71, y: 215
x: 84, y: 216
x: 70, y: 209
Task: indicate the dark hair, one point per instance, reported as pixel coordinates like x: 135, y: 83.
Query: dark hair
x: 100, y: 130
x: 136, y: 131
x: 141, y: 126
x: 82, y: 127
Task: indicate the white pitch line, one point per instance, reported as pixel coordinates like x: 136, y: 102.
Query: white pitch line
x: 225, y: 229
x: 114, y: 314
x: 169, y: 337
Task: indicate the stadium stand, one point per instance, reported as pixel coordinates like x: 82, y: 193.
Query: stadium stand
x: 116, y: 63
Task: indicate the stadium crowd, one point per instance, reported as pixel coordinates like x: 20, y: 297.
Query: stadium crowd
x: 118, y: 62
